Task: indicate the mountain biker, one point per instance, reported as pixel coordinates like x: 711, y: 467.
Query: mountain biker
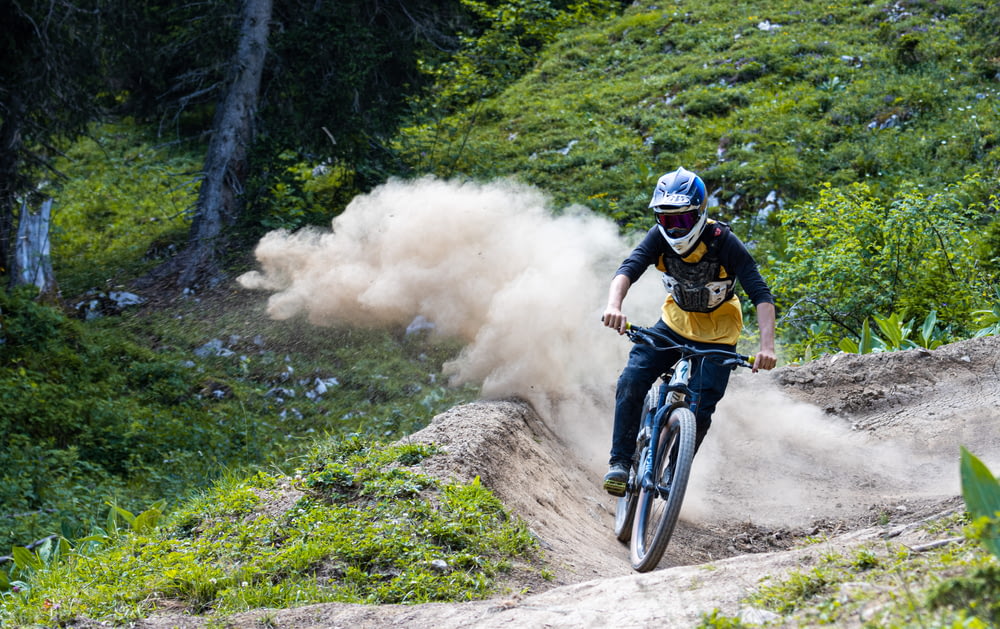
x: 700, y: 260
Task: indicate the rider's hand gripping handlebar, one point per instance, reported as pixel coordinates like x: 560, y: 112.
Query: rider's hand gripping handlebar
x: 639, y: 334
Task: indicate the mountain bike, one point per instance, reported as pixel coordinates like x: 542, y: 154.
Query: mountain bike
x: 665, y: 446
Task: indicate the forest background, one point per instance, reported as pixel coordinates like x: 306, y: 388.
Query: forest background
x: 854, y: 148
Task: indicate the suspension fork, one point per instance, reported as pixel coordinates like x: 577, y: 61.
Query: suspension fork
x: 659, y: 419
x: 670, y: 396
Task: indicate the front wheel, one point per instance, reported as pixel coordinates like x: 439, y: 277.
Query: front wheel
x: 658, y: 507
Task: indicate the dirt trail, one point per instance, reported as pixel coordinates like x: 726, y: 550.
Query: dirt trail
x: 851, y: 447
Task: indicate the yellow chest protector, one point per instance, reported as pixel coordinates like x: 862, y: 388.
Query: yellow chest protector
x: 701, y: 304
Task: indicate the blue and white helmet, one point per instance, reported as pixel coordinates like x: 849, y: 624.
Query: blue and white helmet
x: 678, y: 203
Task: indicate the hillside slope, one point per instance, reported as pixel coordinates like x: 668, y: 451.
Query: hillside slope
x: 765, y: 99
x: 848, y: 449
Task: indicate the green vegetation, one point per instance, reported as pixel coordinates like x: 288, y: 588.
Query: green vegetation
x: 155, y: 402
x: 357, y: 523
x: 889, y: 586
x: 93, y: 414
x: 982, y: 496
x: 757, y: 97
x: 854, y: 147
x: 125, y: 203
x: 913, y: 256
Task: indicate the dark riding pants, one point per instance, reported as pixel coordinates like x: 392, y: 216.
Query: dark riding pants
x: 645, y: 364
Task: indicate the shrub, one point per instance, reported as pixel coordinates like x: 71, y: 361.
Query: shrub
x: 851, y: 255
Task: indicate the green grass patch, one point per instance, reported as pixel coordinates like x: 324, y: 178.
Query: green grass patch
x: 359, y: 522
x: 124, y: 205
x: 148, y: 405
x: 885, y: 585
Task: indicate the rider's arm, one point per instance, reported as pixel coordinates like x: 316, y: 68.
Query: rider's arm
x: 644, y: 255
x: 766, y: 358
x: 745, y: 268
x: 613, y: 316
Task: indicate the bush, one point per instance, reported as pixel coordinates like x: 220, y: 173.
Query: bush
x: 852, y: 256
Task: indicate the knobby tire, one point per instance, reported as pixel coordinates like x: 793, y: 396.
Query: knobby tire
x: 655, y: 516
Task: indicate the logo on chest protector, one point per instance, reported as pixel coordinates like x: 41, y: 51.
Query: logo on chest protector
x: 696, y: 287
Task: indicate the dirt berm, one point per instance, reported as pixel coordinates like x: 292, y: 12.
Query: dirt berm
x: 847, y: 448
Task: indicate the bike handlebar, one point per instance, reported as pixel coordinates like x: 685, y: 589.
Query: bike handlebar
x: 639, y: 334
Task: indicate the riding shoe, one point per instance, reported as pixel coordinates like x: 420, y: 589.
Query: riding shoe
x: 616, y: 479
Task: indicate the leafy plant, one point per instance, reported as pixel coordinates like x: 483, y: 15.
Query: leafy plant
x: 882, y: 263
x: 896, y: 332
x: 930, y: 337
x: 988, y: 319
x: 866, y: 343
x: 142, y: 524
x: 982, y: 498
x: 976, y: 590
x: 895, y: 335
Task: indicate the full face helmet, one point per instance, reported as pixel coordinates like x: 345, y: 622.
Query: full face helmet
x: 679, y: 207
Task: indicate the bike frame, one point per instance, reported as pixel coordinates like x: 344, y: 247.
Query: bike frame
x: 645, y: 516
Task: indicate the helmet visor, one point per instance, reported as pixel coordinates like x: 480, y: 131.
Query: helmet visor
x: 677, y: 224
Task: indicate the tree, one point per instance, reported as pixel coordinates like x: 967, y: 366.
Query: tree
x: 226, y: 164
x: 49, y: 76
x: 32, y: 264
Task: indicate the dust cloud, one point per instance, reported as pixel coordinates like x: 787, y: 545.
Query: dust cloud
x: 777, y: 461
x: 493, y: 264
x: 523, y: 286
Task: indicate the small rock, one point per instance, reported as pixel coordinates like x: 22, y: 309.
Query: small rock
x: 440, y: 565
x: 755, y: 616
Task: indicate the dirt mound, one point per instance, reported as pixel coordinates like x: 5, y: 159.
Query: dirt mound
x: 948, y: 395
x: 850, y: 447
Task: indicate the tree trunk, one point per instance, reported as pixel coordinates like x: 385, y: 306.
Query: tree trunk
x: 32, y: 260
x: 10, y: 183
x: 226, y: 169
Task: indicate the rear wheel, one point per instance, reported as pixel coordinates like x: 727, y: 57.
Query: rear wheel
x: 658, y: 507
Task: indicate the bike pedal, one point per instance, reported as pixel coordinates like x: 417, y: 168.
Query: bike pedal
x: 615, y: 487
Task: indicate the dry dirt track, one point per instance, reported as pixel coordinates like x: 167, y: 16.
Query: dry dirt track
x: 851, y: 447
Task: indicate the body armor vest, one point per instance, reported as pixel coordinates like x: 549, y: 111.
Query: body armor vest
x: 697, y: 286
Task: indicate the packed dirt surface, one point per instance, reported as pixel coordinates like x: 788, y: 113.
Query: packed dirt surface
x: 847, y: 449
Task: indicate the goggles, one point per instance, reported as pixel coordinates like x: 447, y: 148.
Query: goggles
x: 676, y: 224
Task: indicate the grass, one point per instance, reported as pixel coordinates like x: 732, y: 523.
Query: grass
x: 159, y: 410
x: 359, y: 522
x: 769, y: 102
x: 137, y: 410
x: 124, y: 204
x: 885, y: 585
